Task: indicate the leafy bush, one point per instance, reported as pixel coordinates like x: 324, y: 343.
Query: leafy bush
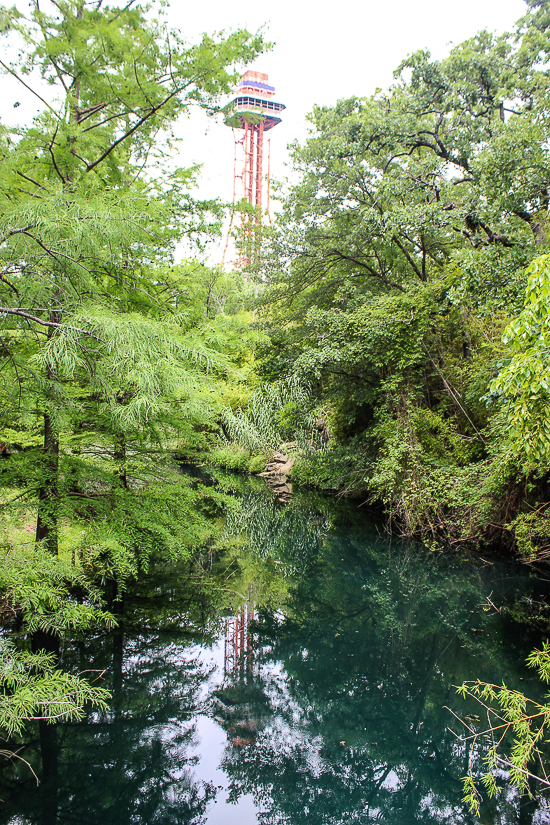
x: 275, y: 412
x: 340, y: 467
x: 233, y: 457
x: 525, y: 381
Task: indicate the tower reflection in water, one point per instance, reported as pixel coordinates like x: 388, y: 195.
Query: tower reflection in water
x: 240, y: 702
x: 238, y: 654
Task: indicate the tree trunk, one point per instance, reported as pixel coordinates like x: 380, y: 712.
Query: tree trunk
x: 48, y: 496
x: 49, y: 748
x: 120, y: 458
x: 49, y: 751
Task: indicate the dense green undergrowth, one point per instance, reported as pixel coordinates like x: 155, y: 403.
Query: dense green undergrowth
x: 234, y: 457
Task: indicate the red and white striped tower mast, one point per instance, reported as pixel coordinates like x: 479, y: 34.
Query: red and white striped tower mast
x: 252, y: 113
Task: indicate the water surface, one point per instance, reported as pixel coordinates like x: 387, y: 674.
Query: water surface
x: 307, y: 683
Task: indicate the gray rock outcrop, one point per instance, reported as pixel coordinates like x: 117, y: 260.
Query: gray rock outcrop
x: 275, y: 474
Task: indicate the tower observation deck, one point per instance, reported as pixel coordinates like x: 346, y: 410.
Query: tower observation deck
x: 252, y: 113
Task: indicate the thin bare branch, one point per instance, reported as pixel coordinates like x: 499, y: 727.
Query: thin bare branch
x: 26, y: 85
x: 28, y: 317
x: 134, y: 128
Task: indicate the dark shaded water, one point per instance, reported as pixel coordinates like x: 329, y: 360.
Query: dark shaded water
x: 308, y: 684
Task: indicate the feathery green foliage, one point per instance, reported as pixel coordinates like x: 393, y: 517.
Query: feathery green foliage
x: 32, y: 688
x: 105, y: 364
x: 100, y: 360
x: 50, y: 594
x: 509, y: 714
x: 274, y: 413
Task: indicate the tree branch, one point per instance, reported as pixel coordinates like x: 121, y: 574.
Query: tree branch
x: 55, y: 255
x: 31, y: 90
x: 59, y: 173
x: 134, y: 128
x: 342, y: 256
x: 409, y: 258
x: 28, y: 317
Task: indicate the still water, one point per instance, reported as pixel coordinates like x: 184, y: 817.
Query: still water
x: 308, y: 682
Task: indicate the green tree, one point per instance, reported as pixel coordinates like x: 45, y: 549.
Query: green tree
x: 89, y: 340
x: 397, y: 262
x: 524, y: 381
x: 99, y: 364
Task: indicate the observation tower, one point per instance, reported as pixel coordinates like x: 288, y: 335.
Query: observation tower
x: 252, y: 113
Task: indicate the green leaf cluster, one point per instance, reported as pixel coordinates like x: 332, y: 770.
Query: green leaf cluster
x: 32, y: 688
x: 524, y: 382
x: 510, y: 716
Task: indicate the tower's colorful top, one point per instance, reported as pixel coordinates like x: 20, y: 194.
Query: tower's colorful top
x: 253, y: 103
x: 255, y: 82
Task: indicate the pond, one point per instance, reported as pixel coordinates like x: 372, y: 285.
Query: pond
x: 309, y: 681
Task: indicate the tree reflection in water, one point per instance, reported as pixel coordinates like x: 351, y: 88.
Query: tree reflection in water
x: 134, y: 764
x: 358, y: 670
x: 331, y: 701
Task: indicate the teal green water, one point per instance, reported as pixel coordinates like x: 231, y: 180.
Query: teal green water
x: 308, y: 684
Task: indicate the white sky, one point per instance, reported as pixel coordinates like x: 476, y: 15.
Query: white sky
x: 322, y: 53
